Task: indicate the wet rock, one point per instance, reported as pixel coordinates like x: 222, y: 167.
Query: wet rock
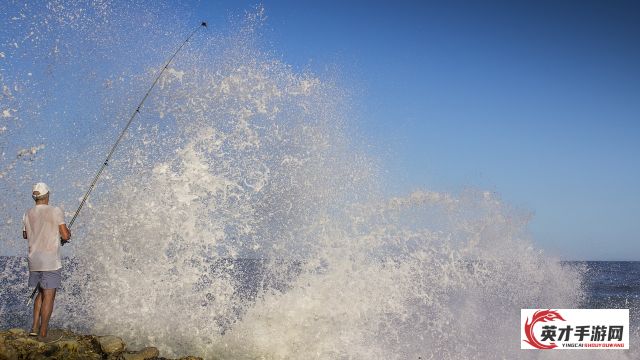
x: 38, y: 356
x: 16, y: 331
x: 6, y: 353
x: 26, y: 342
x: 69, y: 345
x: 111, y: 344
x: 48, y: 350
x: 16, y: 344
x: 147, y: 353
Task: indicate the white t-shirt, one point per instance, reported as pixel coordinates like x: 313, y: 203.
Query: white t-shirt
x: 41, y: 224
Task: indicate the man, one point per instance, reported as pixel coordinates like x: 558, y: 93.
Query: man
x: 43, y: 227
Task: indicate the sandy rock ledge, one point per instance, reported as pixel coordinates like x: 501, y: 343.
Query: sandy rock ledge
x: 16, y: 344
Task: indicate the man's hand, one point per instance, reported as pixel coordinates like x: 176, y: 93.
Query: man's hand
x: 65, y: 234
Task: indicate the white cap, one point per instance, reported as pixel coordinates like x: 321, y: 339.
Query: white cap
x: 41, y: 187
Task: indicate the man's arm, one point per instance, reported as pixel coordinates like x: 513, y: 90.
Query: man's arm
x: 65, y: 234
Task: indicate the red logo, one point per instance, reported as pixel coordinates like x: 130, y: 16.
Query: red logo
x: 540, y: 316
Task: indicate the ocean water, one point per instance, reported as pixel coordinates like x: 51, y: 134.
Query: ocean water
x: 613, y: 285
x: 607, y: 284
x: 238, y: 155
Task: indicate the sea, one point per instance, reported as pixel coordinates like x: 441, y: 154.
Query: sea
x: 606, y: 285
x: 244, y: 214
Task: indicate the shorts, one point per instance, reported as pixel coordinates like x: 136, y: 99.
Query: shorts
x: 46, y: 279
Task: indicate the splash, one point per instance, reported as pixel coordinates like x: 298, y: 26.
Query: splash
x: 240, y: 221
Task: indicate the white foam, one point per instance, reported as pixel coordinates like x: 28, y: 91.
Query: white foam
x: 253, y: 160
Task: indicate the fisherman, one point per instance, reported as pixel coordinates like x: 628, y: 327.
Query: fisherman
x: 44, y: 226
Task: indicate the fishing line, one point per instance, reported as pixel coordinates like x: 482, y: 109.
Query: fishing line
x: 115, y: 145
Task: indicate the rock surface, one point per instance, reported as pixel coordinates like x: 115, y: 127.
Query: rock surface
x: 111, y: 344
x: 17, y: 344
x: 144, y: 354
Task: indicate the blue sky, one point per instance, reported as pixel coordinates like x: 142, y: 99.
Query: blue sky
x: 538, y: 101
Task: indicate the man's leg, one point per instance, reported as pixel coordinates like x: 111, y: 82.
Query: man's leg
x: 36, y: 312
x: 48, y: 296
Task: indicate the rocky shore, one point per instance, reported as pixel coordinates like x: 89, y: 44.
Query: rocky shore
x: 16, y: 344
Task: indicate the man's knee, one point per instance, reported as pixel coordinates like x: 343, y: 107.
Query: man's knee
x: 48, y: 293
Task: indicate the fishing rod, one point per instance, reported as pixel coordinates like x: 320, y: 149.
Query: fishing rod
x: 115, y: 145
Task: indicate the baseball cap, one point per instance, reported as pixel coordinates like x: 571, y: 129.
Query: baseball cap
x: 41, y: 187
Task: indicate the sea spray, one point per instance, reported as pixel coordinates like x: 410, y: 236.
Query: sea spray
x: 257, y: 161
x: 241, y: 221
